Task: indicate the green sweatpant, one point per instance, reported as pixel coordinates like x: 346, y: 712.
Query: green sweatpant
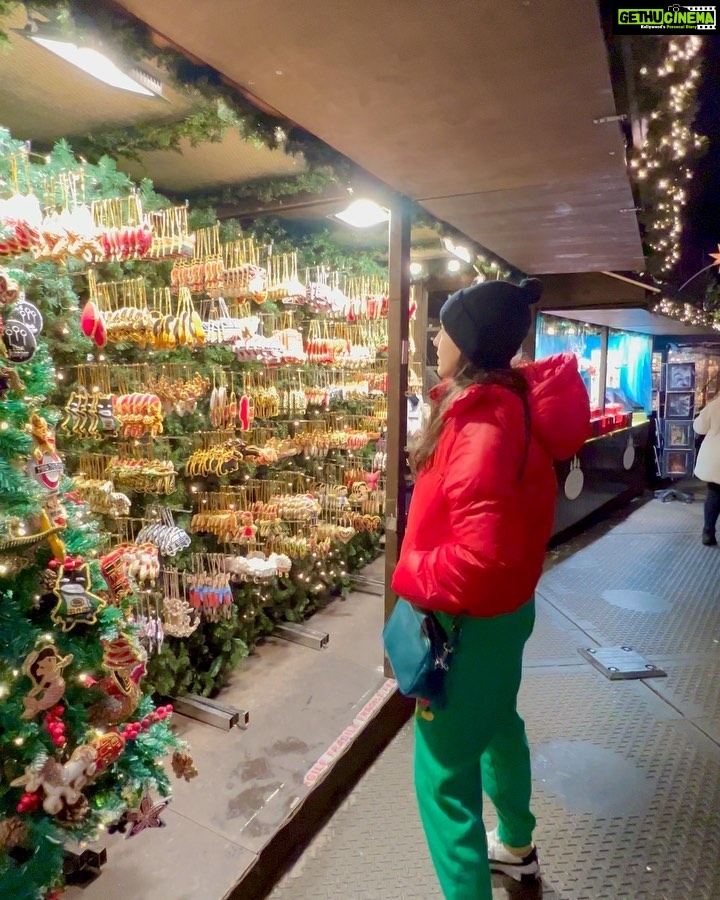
x: 475, y: 742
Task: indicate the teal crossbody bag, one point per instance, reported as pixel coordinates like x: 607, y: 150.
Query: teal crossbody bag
x: 419, y: 650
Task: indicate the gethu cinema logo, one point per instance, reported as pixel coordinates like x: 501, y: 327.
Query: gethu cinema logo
x: 677, y: 16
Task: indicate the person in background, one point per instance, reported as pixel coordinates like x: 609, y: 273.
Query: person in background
x: 707, y: 466
x: 481, y: 515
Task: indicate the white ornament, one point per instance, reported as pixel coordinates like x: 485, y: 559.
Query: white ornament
x: 575, y: 480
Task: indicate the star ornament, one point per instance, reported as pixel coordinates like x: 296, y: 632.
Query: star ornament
x: 716, y: 257
x: 148, y: 816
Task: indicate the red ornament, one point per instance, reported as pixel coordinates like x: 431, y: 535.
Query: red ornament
x: 109, y: 748
x: 29, y: 802
x: 55, y: 727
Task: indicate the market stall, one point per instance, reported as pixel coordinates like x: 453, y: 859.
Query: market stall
x: 617, y: 356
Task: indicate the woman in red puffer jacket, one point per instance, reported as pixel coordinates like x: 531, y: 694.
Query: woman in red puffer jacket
x: 481, y: 515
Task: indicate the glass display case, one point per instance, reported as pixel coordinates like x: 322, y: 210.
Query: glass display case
x: 628, y: 386
x: 615, y: 365
x: 556, y: 335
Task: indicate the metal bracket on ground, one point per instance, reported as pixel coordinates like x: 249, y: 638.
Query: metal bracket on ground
x: 299, y: 634
x: 620, y: 663
x: 212, y: 712
x: 369, y: 586
x: 83, y: 868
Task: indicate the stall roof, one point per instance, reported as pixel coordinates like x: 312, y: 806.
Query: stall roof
x: 45, y: 98
x: 640, y: 320
x: 485, y: 112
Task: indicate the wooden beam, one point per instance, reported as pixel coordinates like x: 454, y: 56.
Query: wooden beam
x: 398, y: 351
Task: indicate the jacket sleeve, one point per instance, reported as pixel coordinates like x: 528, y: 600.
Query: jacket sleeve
x: 473, y: 561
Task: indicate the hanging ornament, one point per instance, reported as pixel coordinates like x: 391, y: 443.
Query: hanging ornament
x: 147, y: 816
x: 60, y: 784
x: 28, y: 314
x: 29, y: 803
x: 92, y: 324
x: 55, y: 726
x: 45, y: 466
x: 114, y: 571
x: 109, y: 748
x: 125, y: 661
x: 184, y: 765
x: 19, y: 341
x: 179, y: 619
x: 44, y: 668
x: 9, y: 288
x: 9, y: 381
x: 14, y: 534
x: 51, y: 528
x: 76, y: 604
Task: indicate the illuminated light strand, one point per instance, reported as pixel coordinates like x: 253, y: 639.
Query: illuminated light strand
x: 686, y: 313
x: 671, y: 148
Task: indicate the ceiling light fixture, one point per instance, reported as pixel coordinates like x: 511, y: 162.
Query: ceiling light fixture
x: 453, y: 265
x: 457, y: 250
x: 363, y: 214
x: 93, y: 63
x: 416, y: 268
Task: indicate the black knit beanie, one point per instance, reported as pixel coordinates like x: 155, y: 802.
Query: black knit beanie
x: 488, y: 322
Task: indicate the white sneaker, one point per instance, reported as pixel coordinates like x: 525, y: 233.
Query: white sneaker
x: 521, y: 868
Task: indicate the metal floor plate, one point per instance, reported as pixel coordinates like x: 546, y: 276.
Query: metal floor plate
x: 627, y: 773
x: 674, y: 567
x: 621, y: 663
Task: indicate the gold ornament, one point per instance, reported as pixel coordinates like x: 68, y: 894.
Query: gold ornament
x: 184, y: 765
x: 76, y: 603
x: 45, y: 466
x: 44, y: 668
x: 17, y: 538
x: 125, y: 661
x: 178, y: 617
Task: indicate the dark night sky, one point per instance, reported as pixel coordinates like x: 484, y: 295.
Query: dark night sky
x: 701, y: 234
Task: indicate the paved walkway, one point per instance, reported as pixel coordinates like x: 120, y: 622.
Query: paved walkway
x: 627, y: 773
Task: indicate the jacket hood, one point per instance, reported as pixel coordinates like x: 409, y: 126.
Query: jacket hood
x: 558, y: 401
x: 559, y: 404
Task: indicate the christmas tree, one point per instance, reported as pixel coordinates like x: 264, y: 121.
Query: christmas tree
x: 80, y: 745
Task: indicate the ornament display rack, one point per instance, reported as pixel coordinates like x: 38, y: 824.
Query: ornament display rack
x: 225, y: 423
x: 264, y: 376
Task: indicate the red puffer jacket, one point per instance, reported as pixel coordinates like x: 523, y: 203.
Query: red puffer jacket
x: 476, y: 533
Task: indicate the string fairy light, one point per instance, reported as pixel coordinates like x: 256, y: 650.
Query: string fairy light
x: 687, y: 313
x: 669, y: 146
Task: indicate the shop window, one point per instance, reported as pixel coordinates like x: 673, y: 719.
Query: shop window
x: 555, y: 335
x: 629, y: 368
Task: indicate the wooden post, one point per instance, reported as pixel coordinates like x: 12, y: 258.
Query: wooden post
x: 398, y: 352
